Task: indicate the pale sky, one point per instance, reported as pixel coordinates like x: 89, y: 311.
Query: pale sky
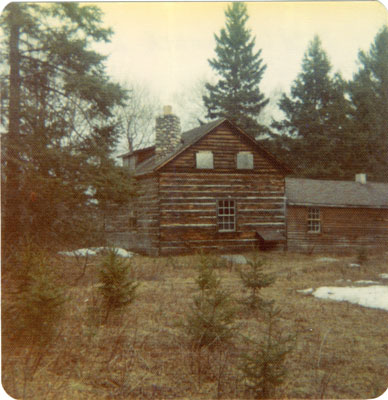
x: 166, y: 45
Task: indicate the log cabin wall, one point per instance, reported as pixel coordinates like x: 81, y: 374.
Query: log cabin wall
x: 188, y: 197
x: 342, y: 229
x: 136, y: 226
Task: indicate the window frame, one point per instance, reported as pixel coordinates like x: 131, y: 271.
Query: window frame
x: 227, y: 218
x: 314, y: 220
x: 252, y: 159
x: 196, y: 159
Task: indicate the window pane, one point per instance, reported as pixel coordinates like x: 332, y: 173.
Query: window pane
x: 244, y: 160
x: 204, y: 159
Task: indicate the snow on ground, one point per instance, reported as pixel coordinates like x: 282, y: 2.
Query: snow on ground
x: 368, y: 296
x: 384, y: 276
x: 327, y: 259
x: 235, y: 258
x: 306, y: 291
x: 362, y: 282
x: 93, y: 251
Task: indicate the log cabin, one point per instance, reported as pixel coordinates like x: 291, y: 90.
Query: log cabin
x: 214, y: 188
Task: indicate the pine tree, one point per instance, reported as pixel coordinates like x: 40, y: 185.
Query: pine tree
x: 236, y: 95
x: 210, y: 322
x: 57, y: 102
x: 316, y: 117
x: 263, y: 367
x: 255, y: 279
x: 116, y: 286
x: 369, y: 95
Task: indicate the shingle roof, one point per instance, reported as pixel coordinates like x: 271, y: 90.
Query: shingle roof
x: 336, y: 193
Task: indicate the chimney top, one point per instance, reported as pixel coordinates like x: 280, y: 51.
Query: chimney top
x: 167, y: 110
x: 361, y: 178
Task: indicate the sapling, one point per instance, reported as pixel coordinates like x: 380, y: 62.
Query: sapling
x: 254, y: 279
x: 210, y: 320
x: 39, y: 300
x: 116, y: 285
x: 263, y: 368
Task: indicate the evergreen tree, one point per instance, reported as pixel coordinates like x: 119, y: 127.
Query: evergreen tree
x: 316, y: 118
x: 256, y: 279
x: 57, y: 105
x: 236, y: 95
x: 369, y: 96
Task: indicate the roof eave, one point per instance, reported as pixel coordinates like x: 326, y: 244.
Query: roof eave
x: 311, y: 204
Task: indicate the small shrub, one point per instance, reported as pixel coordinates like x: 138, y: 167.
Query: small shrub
x: 263, y: 369
x: 206, y: 278
x: 116, y: 286
x: 38, y: 305
x: 254, y: 280
x: 210, y: 321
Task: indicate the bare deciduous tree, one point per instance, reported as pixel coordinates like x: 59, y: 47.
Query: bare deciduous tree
x: 138, y: 117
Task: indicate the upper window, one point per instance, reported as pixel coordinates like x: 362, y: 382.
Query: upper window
x: 314, y: 220
x: 244, y: 160
x: 204, y: 160
x: 226, y: 215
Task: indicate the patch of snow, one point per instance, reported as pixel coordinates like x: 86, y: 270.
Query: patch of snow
x: 367, y: 282
x: 343, y: 280
x: 235, y: 259
x: 354, y: 265
x: 93, y: 251
x: 78, y: 253
x: 368, y: 296
x: 123, y: 253
x: 306, y: 291
x: 384, y: 276
x: 327, y: 259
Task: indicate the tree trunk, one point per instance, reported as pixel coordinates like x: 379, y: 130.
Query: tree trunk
x: 11, y: 227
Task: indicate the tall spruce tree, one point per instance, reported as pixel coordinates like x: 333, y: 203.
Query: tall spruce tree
x: 316, y: 118
x: 369, y: 95
x: 236, y: 95
x: 57, y: 107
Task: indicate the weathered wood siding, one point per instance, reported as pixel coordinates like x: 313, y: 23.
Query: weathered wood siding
x: 342, y: 229
x: 188, y: 197
x: 144, y: 237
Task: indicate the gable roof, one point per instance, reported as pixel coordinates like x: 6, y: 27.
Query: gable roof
x: 192, y: 136
x: 315, y: 192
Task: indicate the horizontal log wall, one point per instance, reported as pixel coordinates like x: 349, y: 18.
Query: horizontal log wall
x: 188, y: 197
x: 144, y: 237
x: 342, y: 229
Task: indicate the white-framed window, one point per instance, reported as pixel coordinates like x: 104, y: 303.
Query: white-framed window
x: 204, y: 160
x: 314, y: 220
x: 244, y: 160
x: 226, y: 215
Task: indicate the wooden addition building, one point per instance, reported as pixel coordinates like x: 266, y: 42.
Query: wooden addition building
x: 214, y: 188
x: 336, y: 216
x: 211, y: 188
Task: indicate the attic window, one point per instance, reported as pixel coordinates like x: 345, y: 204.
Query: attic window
x: 314, y: 220
x: 204, y: 160
x: 244, y: 160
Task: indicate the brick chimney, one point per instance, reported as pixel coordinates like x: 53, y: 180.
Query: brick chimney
x: 361, y: 178
x: 167, y: 133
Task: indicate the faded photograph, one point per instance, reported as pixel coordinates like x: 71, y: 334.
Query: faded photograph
x: 194, y: 200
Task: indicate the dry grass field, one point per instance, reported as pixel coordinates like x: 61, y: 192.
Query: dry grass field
x: 340, y: 350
